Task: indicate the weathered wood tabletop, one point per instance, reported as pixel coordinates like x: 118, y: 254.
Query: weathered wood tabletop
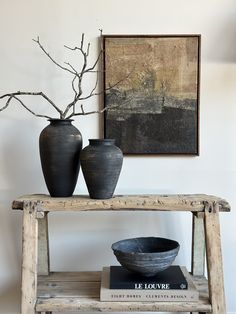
x: 171, y: 202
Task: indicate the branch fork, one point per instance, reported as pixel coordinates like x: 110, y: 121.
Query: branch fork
x: 76, y: 83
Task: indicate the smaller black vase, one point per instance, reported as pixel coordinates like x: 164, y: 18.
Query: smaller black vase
x: 101, y: 163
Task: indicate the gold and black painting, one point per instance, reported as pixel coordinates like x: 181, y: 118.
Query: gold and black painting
x: 151, y: 86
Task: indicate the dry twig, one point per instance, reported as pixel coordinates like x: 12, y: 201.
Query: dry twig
x: 76, y: 83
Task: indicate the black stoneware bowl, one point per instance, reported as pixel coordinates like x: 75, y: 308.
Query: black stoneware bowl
x: 146, y: 256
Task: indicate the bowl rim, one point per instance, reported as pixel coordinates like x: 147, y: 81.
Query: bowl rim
x: 119, y: 251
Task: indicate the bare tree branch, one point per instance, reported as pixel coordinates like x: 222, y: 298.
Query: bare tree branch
x: 92, y: 93
x: 96, y: 84
x: 35, y: 114
x: 49, y: 56
x: 7, y: 103
x: 95, y: 63
x: 72, y: 49
x: 71, y: 66
x: 23, y: 105
x: 19, y: 93
x: 87, y: 53
x: 106, y: 89
x: 82, y: 41
x: 80, y: 75
x: 76, y: 83
x: 73, y: 86
x: 84, y: 113
x: 82, y: 109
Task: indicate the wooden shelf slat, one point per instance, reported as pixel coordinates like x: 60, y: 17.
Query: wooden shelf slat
x: 81, y: 276
x: 175, y: 202
x: 73, y: 292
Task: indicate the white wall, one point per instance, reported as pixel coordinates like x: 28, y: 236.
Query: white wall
x: 82, y: 241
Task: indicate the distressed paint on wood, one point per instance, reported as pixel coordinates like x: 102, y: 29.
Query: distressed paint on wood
x: 214, y: 259
x: 194, y: 202
x: 29, y: 262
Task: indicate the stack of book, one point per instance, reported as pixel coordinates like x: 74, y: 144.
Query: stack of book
x: 173, y: 284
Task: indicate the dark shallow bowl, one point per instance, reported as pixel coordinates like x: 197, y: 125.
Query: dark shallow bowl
x: 146, y: 256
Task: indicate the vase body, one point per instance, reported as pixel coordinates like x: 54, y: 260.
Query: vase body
x: 60, y: 144
x: 101, y: 163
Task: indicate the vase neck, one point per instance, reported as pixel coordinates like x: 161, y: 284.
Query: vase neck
x: 60, y: 121
x: 101, y: 141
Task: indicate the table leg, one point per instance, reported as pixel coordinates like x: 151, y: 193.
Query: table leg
x: 214, y: 259
x: 29, y: 260
x: 43, y: 246
x: 198, y: 246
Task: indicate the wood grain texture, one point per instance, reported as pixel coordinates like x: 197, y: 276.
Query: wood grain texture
x: 29, y: 262
x: 43, y: 246
x: 198, y: 245
x: 214, y: 259
x: 57, y: 292
x: 82, y: 276
x: 191, y: 202
x: 80, y: 291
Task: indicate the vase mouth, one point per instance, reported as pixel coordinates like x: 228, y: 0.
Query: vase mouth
x: 52, y: 120
x: 104, y: 141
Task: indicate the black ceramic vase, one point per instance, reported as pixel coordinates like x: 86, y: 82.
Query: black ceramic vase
x: 60, y: 144
x: 101, y: 163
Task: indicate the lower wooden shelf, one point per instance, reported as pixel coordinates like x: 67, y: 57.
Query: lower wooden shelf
x: 79, y: 291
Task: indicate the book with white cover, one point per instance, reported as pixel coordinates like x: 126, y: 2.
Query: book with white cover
x: 128, y: 295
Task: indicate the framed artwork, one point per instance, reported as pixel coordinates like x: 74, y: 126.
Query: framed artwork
x: 151, y: 91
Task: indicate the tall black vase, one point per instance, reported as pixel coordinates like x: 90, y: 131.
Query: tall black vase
x: 60, y: 144
x: 101, y: 163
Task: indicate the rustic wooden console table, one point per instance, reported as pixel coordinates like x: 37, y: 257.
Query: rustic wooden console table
x: 44, y: 291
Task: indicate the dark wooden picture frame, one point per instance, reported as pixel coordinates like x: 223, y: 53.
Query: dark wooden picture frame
x: 151, y: 85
